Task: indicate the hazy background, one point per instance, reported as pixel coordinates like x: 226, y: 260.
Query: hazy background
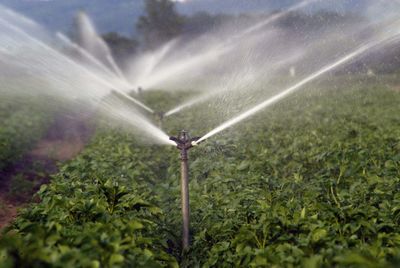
x: 121, y: 15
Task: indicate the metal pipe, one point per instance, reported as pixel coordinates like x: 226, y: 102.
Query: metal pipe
x: 160, y: 119
x: 185, y: 198
x: 184, y: 143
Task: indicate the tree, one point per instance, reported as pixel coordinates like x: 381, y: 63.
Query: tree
x: 121, y: 46
x: 160, y: 23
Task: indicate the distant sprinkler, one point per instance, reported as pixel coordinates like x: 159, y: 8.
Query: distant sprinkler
x: 370, y: 72
x: 184, y: 142
x: 160, y: 118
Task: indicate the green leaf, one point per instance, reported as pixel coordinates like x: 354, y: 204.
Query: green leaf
x: 319, y: 234
x: 116, y: 259
x: 243, y: 165
x: 303, y: 213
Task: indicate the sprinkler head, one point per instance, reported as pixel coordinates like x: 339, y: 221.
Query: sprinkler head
x: 184, y: 141
x: 160, y: 118
x: 160, y: 115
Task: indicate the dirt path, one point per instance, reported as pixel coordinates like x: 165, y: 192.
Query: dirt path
x: 64, y: 140
x: 8, y: 211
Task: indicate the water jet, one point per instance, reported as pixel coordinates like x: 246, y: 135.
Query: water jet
x: 133, y: 100
x: 184, y: 142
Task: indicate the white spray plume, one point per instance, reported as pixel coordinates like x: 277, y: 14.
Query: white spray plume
x: 36, y: 66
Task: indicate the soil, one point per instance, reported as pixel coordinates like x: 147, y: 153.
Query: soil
x: 65, y: 139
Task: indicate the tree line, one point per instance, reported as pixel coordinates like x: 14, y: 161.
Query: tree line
x: 161, y: 22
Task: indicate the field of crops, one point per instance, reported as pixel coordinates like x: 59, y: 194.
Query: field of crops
x: 22, y: 123
x: 312, y: 182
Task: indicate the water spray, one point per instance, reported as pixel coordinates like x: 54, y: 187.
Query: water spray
x: 132, y: 99
x: 83, y: 52
x: 387, y: 38
x: 56, y: 53
x: 184, y: 142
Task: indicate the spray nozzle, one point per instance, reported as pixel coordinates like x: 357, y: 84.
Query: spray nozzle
x: 184, y: 141
x: 196, y: 142
x: 160, y: 115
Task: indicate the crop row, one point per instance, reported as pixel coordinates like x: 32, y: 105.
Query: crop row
x: 21, y: 126
x: 313, y: 182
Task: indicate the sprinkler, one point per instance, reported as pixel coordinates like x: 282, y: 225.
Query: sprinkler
x: 160, y: 118
x: 184, y: 142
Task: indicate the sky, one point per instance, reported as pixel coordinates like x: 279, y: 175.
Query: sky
x: 121, y: 15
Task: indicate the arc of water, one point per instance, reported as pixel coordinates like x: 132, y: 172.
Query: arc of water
x: 208, y: 95
x: 68, y: 60
x: 189, y: 103
x: 273, y: 18
x: 116, y: 68
x: 193, y: 62
x: 87, y: 27
x: 119, y: 111
x: 26, y: 21
x: 89, y: 56
x: 361, y: 50
x: 122, y: 93
x: 226, y: 46
x: 150, y: 62
x: 198, y: 99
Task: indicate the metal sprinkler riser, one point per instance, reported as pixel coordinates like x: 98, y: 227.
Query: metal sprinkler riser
x: 160, y: 119
x: 184, y: 142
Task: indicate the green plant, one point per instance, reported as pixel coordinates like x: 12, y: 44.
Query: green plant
x: 314, y: 184
x: 21, y: 187
x: 20, y: 127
